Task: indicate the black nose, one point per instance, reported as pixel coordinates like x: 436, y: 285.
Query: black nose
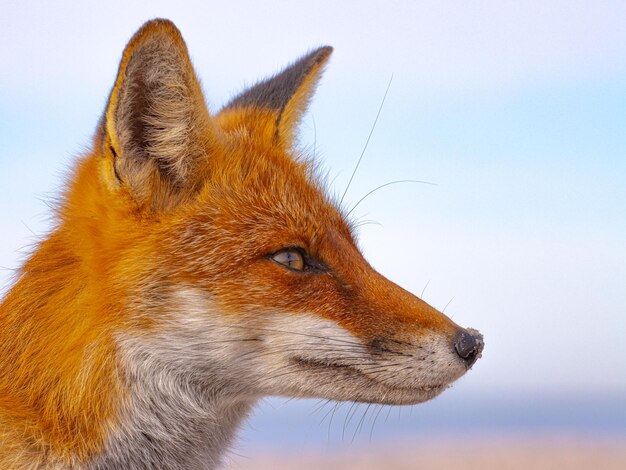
x: 469, y: 344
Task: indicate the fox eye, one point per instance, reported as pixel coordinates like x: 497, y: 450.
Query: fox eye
x: 290, y: 258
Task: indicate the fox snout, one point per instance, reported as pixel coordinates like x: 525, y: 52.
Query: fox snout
x: 405, y: 317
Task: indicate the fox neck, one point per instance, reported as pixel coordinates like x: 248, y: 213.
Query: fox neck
x: 170, y: 422
x: 185, y: 396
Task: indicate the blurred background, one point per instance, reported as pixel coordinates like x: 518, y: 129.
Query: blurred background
x: 515, y: 110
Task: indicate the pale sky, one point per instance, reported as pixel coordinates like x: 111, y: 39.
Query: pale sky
x: 517, y: 110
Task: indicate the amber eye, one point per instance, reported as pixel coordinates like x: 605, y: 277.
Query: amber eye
x: 290, y: 258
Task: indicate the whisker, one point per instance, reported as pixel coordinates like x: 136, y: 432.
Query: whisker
x: 319, y: 406
x: 360, y: 346
x: 380, y: 108
x: 363, y: 223
x: 330, y: 422
x: 272, y: 330
x: 279, y: 350
x: 388, y: 413
x: 327, y: 413
x: 384, y: 185
x: 346, y: 421
x: 361, y: 421
x: 374, y: 422
x: 449, y: 302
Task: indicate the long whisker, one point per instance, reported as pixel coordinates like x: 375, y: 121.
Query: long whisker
x: 319, y: 406
x: 337, y: 406
x: 346, y: 421
x: 374, y: 421
x: 449, y: 302
x: 384, y: 185
x: 380, y: 108
x: 272, y: 330
x: 362, y: 223
x: 359, y: 347
x: 360, y: 425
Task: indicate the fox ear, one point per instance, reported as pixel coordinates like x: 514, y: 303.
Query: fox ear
x: 280, y: 101
x: 157, y: 129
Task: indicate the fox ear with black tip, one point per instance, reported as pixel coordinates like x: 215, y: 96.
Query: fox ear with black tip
x: 274, y: 107
x: 157, y: 129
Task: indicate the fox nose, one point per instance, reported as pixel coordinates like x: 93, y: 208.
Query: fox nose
x: 469, y: 345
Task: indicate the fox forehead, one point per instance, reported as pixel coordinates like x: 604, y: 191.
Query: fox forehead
x: 268, y: 192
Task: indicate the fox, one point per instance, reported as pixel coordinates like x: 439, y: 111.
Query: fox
x: 197, y: 264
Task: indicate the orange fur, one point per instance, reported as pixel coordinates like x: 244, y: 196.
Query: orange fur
x: 232, y: 191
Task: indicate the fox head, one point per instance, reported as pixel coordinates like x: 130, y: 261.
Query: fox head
x: 226, y: 260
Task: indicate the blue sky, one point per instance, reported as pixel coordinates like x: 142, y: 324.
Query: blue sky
x: 517, y: 110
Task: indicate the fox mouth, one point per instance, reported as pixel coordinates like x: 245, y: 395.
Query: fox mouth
x: 422, y: 393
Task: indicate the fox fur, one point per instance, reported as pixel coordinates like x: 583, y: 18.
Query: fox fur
x: 196, y: 265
